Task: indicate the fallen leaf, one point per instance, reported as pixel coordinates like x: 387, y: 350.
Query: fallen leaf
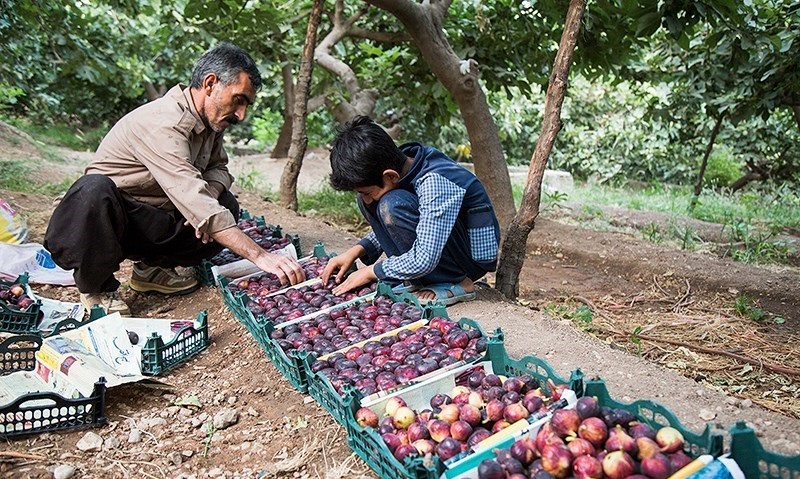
x: 188, y: 400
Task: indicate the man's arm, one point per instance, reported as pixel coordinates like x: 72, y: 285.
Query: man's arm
x: 284, y: 267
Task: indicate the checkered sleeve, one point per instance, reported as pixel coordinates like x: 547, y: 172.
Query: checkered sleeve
x: 439, y: 203
x: 373, y: 248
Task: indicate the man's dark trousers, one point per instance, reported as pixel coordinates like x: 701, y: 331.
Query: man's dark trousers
x: 96, y: 227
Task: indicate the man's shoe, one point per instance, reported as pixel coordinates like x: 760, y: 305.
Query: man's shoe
x: 110, y: 302
x: 161, y: 280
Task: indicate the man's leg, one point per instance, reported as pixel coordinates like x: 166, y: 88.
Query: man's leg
x: 167, y: 242
x: 86, y: 231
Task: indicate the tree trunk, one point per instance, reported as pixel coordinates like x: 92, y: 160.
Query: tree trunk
x: 698, y: 187
x: 423, y: 21
x: 513, y: 250
x: 281, y: 148
x: 299, y: 138
x: 154, y: 92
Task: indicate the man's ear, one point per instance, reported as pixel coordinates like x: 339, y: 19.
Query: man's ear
x: 209, y: 81
x: 390, y: 176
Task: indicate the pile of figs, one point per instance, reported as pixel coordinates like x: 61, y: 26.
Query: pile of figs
x: 394, y: 359
x: 14, y: 296
x: 456, y: 422
x: 591, y: 441
x: 262, y: 235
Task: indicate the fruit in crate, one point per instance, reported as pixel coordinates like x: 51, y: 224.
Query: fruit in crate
x: 609, y: 443
x: 262, y: 236
x: 296, y: 302
x: 400, y: 358
x: 14, y: 295
x: 355, y: 323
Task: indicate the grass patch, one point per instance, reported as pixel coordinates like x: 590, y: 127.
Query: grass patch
x: 338, y: 206
x: 14, y: 176
x: 60, y: 134
x: 752, y: 219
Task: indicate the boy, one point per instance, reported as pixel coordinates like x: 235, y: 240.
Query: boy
x: 431, y: 217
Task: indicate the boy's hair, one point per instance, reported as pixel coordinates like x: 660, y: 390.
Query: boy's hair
x: 226, y: 61
x: 360, y: 154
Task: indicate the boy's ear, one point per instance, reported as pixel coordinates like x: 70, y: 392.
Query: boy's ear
x: 390, y: 176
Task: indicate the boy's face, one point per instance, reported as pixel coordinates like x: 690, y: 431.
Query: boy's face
x: 371, y: 194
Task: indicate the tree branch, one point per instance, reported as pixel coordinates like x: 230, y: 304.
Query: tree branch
x: 383, y: 37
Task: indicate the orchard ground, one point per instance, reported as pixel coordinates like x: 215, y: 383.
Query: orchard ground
x: 655, y: 322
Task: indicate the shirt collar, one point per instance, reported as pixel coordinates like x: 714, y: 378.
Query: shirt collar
x: 199, y: 125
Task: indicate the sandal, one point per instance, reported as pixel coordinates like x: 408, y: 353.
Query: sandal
x: 447, y: 293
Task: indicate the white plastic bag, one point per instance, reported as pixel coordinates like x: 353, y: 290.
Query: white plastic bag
x: 35, y: 260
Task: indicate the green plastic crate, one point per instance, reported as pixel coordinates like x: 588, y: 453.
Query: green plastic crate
x: 321, y: 389
x: 157, y: 356
x: 367, y: 443
x: 294, y: 365
x: 18, y: 353
x: 47, y: 411
x: 755, y: 461
x: 14, y: 321
x: 656, y: 416
x: 205, y: 274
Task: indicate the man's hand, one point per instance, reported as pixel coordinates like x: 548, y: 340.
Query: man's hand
x: 359, y: 278
x: 284, y: 267
x: 205, y: 238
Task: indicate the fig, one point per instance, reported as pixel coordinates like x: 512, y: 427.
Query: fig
x: 580, y: 447
x: 640, y: 429
x: 417, y: 431
x: 424, y: 446
x: 679, y: 460
x: 470, y: 414
x: 405, y: 450
x: 448, y: 448
x: 391, y: 440
x: 647, y: 448
x: 393, y: 404
x: 618, y: 465
x: 523, y: 451
x: 515, y: 412
x: 556, y: 459
x: 460, y: 430
x: 403, y: 417
x: 490, y: 469
x: 366, y: 417
x: 494, y: 410
x: 587, y: 467
x: 656, y: 466
x: 439, y: 430
x: 449, y: 413
x: 619, y: 440
x: 565, y: 422
x: 670, y: 439
x: 594, y: 430
x: 587, y: 407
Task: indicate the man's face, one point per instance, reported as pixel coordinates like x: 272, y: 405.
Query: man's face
x: 227, y: 104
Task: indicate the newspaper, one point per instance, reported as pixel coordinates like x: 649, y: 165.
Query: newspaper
x: 55, y: 311
x: 83, y: 355
x: 71, y: 362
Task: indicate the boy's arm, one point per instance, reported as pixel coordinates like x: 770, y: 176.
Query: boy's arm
x: 439, y: 203
x: 372, y: 249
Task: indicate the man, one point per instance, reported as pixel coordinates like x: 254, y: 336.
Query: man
x: 431, y: 217
x: 158, y: 191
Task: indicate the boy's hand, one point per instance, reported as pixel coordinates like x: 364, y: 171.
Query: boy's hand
x: 341, y: 264
x: 359, y: 278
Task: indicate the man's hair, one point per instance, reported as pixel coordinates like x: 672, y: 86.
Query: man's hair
x: 360, y: 154
x: 226, y: 61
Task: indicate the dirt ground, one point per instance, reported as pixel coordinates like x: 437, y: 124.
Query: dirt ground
x: 676, y: 302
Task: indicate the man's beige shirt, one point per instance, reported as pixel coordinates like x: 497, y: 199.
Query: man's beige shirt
x: 164, y: 155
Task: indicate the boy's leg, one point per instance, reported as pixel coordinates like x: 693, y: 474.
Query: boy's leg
x: 394, y: 222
